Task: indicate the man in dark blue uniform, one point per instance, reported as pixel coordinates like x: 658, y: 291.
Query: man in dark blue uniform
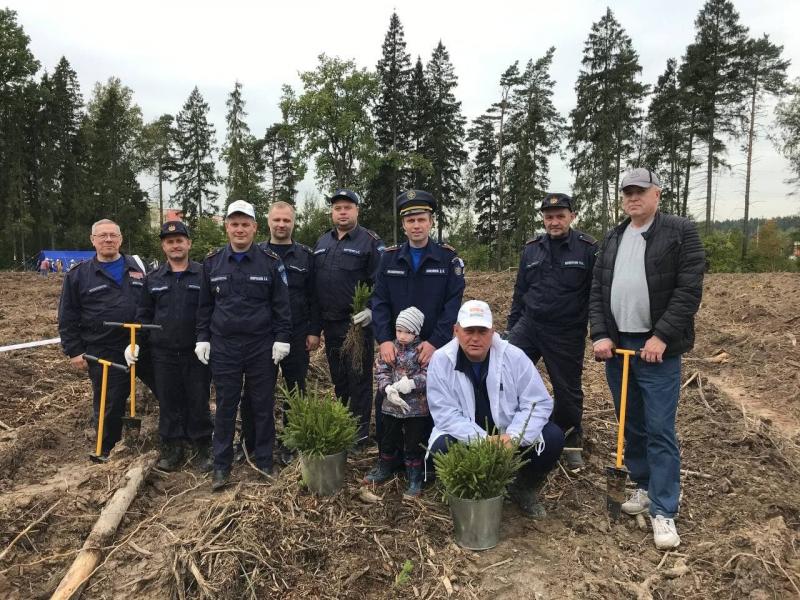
x: 243, y: 327
x: 418, y: 273
x: 106, y: 288
x: 182, y: 382
x: 550, y: 312
x: 346, y: 255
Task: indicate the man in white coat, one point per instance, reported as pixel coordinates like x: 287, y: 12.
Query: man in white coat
x: 481, y: 386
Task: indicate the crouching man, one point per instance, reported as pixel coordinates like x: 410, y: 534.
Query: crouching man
x: 480, y: 385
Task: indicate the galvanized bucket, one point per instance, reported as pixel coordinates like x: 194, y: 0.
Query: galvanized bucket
x: 476, y: 522
x: 324, y: 475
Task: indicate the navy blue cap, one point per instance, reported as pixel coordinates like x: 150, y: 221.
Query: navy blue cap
x: 558, y: 201
x: 343, y: 194
x: 413, y: 202
x: 174, y: 228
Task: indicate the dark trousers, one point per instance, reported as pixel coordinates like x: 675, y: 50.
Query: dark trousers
x: 294, y: 369
x: 183, y: 388
x: 406, y: 437
x: 538, y: 465
x: 242, y: 364
x: 118, y: 389
x: 352, y: 389
x: 562, y: 351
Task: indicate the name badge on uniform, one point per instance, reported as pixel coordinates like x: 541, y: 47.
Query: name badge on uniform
x: 433, y: 271
x: 220, y: 278
x: 396, y: 272
x: 296, y: 268
x: 136, y: 283
x: 352, y: 251
x: 259, y: 278
x: 320, y: 251
x: 159, y: 289
x: 575, y: 263
x: 97, y: 288
x: 192, y: 286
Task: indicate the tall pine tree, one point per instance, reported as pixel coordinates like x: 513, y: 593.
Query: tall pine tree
x: 241, y: 154
x: 197, y: 177
x: 158, y: 154
x: 716, y: 66
x: 444, y: 139
x: 605, y: 121
x: 787, y: 117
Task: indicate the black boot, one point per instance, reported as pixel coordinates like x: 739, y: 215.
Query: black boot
x: 416, y: 478
x: 525, y: 494
x: 171, y: 456
x: 203, y: 459
x: 382, y: 472
x: 220, y: 479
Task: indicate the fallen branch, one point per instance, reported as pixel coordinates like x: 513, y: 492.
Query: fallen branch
x: 27, y: 529
x: 103, y: 532
x: 6, y: 427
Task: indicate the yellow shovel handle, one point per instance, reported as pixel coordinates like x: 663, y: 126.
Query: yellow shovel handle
x: 623, y: 401
x: 101, y: 419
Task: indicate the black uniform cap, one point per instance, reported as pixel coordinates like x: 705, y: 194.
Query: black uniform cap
x: 174, y: 228
x: 343, y: 194
x: 413, y: 202
x: 558, y: 201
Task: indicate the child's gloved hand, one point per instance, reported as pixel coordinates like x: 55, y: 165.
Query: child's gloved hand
x: 394, y: 400
x: 405, y: 385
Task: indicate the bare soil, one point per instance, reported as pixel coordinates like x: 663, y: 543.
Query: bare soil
x: 739, y: 427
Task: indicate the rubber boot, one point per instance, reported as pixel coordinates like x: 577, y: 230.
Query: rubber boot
x: 171, y: 456
x: 382, y: 472
x: 203, y: 460
x: 416, y: 478
x: 526, y: 495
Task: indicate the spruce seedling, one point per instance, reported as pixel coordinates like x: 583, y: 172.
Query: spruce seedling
x: 353, y: 345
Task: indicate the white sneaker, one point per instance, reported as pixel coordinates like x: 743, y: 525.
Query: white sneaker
x: 638, y: 503
x: 664, y: 533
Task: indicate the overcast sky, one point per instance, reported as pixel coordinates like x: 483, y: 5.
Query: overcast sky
x: 163, y: 49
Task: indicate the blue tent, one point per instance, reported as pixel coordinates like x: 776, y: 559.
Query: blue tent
x: 66, y: 256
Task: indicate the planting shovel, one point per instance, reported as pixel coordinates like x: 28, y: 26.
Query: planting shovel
x: 617, y: 476
x: 101, y: 420
x: 132, y: 423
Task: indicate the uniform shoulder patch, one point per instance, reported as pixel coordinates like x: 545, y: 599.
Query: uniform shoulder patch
x: 458, y: 265
x: 534, y: 239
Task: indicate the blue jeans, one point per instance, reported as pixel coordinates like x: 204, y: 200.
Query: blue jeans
x: 651, y: 446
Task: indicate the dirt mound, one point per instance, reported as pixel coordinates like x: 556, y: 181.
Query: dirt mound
x: 739, y: 521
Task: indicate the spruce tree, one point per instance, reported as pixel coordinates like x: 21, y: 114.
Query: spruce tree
x: 444, y: 140
x: 485, y: 177
x: 606, y: 119
x: 716, y: 67
x: 787, y: 118
x: 241, y: 154
x: 419, y: 100
x: 765, y: 71
x: 197, y: 178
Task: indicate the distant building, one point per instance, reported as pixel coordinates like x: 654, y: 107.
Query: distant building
x: 795, y: 252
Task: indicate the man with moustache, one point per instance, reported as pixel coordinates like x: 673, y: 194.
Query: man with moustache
x: 550, y: 312
x: 243, y: 329
x: 170, y: 299
x: 106, y: 288
x: 345, y: 256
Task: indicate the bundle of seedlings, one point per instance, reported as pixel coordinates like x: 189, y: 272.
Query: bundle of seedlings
x: 318, y: 424
x: 353, y: 345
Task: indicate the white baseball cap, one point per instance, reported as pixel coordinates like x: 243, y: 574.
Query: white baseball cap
x: 240, y: 206
x: 475, y: 313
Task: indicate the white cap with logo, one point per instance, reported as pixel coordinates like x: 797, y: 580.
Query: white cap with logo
x: 475, y: 313
x: 240, y: 206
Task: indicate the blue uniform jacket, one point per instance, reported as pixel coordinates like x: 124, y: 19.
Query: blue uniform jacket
x: 299, y: 263
x: 171, y: 301
x: 339, y: 265
x: 436, y: 288
x: 89, y: 297
x: 246, y: 299
x: 553, y: 284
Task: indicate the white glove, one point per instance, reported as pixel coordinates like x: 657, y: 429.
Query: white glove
x: 131, y: 357
x: 405, y: 385
x: 394, y: 400
x: 363, y: 318
x: 203, y: 351
x: 280, y: 350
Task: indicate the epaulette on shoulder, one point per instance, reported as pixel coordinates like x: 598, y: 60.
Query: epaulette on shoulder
x: 449, y: 247
x: 304, y: 247
x: 212, y: 252
x: 269, y: 252
x: 585, y: 237
x: 392, y: 248
x: 374, y: 235
x: 534, y: 239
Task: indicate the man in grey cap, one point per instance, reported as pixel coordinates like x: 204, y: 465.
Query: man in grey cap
x: 647, y: 286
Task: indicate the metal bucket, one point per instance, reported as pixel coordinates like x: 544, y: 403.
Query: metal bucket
x: 324, y: 475
x: 476, y: 522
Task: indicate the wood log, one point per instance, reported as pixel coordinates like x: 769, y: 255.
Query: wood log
x: 103, y: 531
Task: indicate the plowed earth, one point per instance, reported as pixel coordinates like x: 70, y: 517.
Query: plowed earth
x: 738, y: 423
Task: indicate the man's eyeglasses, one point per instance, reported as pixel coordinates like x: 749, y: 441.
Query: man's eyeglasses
x: 106, y: 236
